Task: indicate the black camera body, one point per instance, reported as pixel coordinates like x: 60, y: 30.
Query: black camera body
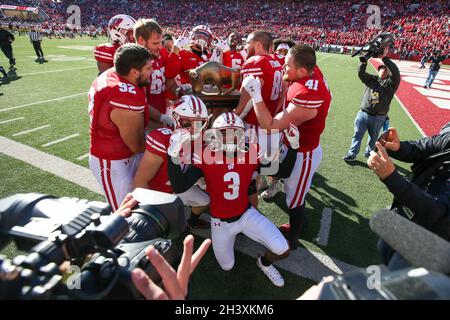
x: 375, y: 47
x: 103, y: 247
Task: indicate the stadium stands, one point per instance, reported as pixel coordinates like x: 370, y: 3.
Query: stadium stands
x: 418, y: 26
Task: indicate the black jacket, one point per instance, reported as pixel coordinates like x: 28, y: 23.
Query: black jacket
x: 379, y: 93
x: 425, y: 196
x: 436, y: 62
x: 6, y: 37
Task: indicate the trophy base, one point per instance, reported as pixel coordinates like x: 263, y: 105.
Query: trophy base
x: 219, y: 104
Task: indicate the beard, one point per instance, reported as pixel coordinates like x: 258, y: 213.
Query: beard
x: 143, y: 81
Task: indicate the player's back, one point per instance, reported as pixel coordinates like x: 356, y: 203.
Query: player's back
x: 269, y: 70
x: 312, y: 93
x: 157, y: 143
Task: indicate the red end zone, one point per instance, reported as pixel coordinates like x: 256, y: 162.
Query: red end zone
x: 429, y: 108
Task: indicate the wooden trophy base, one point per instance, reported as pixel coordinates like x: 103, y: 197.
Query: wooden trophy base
x: 216, y: 104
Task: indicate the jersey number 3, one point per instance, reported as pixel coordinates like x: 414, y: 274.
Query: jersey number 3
x: 232, y: 177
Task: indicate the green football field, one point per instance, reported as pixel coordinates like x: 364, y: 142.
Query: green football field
x: 52, y: 98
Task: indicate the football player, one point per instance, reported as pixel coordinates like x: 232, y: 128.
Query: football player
x: 118, y: 115
x: 307, y: 103
x: 282, y: 47
x: 233, y: 58
x: 228, y: 166
x: 149, y: 34
x: 189, y: 113
x: 120, y: 31
x: 199, y: 52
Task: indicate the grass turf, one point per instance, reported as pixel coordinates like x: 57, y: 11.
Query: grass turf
x: 353, y: 192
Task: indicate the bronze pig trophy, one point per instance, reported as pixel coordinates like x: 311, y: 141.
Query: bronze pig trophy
x: 214, y: 73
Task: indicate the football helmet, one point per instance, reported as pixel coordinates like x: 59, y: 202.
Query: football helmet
x: 120, y: 29
x: 189, y: 112
x: 228, y: 133
x: 201, y: 37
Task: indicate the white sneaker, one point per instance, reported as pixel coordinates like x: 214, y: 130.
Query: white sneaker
x: 272, y: 273
x: 273, y: 190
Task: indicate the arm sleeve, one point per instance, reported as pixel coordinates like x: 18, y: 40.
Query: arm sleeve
x: 181, y: 182
x: 155, y: 144
x: 427, y: 208
x: 419, y: 150
x: 252, y: 68
x: 367, y: 78
x: 395, y: 72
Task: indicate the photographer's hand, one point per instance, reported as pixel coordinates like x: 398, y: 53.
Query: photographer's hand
x: 380, y: 162
x: 126, y: 206
x: 393, y: 140
x: 175, y: 283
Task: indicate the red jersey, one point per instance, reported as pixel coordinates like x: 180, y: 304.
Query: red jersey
x: 232, y: 59
x: 313, y: 93
x: 157, y: 87
x: 270, y: 71
x: 157, y: 143
x: 110, y: 91
x: 280, y: 58
x: 227, y: 184
x: 105, y: 52
x: 179, y: 64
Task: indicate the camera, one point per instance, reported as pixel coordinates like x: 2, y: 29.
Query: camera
x: 423, y: 275
x: 375, y: 47
x: 104, y: 247
x: 405, y: 284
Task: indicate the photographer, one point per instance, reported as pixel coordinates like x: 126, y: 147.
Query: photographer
x: 175, y: 282
x: 380, y: 90
x: 425, y: 197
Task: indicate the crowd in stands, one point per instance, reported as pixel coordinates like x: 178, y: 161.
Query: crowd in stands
x: 418, y: 26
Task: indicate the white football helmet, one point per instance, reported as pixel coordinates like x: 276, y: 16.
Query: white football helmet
x: 120, y: 29
x: 228, y: 133
x: 201, y: 37
x: 189, y: 112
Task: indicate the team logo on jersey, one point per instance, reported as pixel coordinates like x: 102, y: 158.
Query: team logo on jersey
x: 275, y: 64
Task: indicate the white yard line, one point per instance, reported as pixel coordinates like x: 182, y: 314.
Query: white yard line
x: 30, y: 130
x: 53, y: 71
x: 62, y: 168
x: 61, y: 140
x: 302, y: 262
x: 45, y: 101
x: 11, y: 120
x: 325, y: 226
x: 84, y: 156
